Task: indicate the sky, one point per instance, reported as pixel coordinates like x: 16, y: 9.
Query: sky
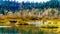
x: 32, y: 0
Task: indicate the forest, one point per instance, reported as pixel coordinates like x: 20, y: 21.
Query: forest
x: 15, y: 6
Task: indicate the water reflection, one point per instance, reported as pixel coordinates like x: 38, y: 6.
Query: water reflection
x: 9, y: 30
x: 28, y: 29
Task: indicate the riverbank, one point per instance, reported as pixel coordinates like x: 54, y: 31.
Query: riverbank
x: 38, y: 23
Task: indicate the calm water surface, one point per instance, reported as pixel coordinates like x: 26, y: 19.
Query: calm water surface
x: 28, y: 29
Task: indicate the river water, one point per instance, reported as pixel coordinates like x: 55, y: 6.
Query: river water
x: 28, y: 29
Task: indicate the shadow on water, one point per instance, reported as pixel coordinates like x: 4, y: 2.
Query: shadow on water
x: 30, y: 29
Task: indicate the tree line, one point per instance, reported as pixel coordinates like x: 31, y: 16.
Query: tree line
x: 15, y: 6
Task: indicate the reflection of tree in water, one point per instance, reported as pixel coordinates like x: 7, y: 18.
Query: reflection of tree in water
x: 36, y: 30
x: 9, y: 30
x: 29, y: 30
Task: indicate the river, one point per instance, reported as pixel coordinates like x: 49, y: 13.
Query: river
x: 28, y: 29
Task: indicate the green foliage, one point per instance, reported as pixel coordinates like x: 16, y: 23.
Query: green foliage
x: 52, y: 12
x: 58, y: 12
x: 10, y: 6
